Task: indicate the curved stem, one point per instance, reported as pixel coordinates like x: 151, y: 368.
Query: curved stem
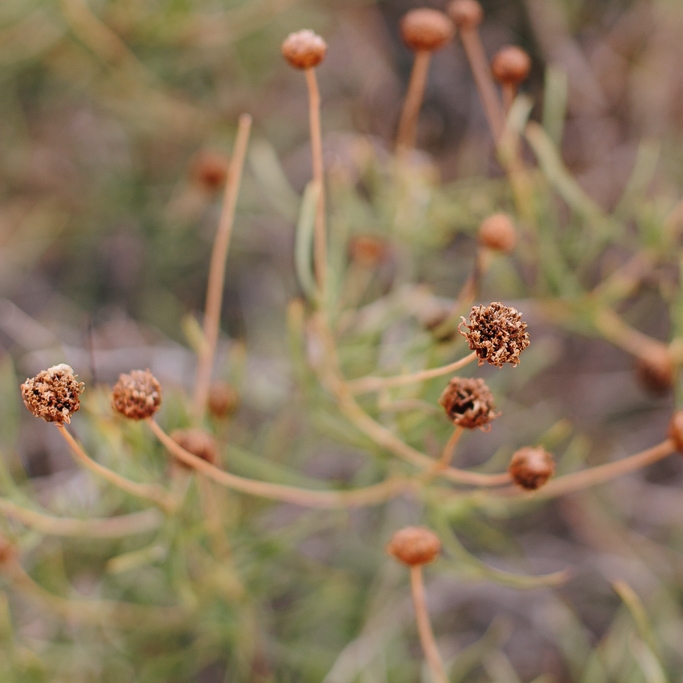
x: 615, y: 330
x: 214, y: 290
x: 370, y: 495
x: 449, y: 449
x: 407, y: 127
x: 509, y: 94
x: 424, y: 626
x: 147, y: 491
x: 367, y: 384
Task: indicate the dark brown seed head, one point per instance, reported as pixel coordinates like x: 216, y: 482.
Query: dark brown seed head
x: 426, y: 29
x: 197, y: 442
x: 209, y: 170
x: 510, y: 65
x: 414, y: 545
x: 137, y: 395
x: 496, y: 333
x: 655, y: 371
x: 497, y: 232
x: 675, y: 432
x: 530, y: 467
x: 468, y: 403
x: 223, y: 400
x: 304, y: 49
x: 53, y: 394
x: 466, y: 14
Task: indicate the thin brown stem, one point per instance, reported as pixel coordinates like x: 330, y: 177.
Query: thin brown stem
x: 424, y: 626
x: 370, y: 495
x: 615, y: 330
x: 367, y: 384
x: 449, y: 449
x: 481, y: 72
x: 509, y: 94
x: 147, y: 491
x: 407, y: 127
x: 320, y: 232
x: 214, y: 291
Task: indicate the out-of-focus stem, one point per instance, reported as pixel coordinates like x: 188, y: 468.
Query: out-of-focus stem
x: 424, y: 626
x: 509, y: 94
x: 407, y: 127
x: 449, y: 449
x: 615, y: 330
x: 214, y: 291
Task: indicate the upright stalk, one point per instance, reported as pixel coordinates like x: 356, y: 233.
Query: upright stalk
x: 407, y: 127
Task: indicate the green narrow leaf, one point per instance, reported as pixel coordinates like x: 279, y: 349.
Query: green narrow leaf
x: 303, y: 249
x: 555, y: 103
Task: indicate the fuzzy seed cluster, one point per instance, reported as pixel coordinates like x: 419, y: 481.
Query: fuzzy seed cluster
x: 496, y: 333
x: 136, y: 395
x: 53, y: 394
x: 511, y: 65
x: 426, y: 29
x: 414, y: 545
x: 497, y: 232
x: 469, y: 403
x: 304, y: 49
x: 466, y: 14
x: 223, y: 400
x: 531, y: 467
x: 197, y: 442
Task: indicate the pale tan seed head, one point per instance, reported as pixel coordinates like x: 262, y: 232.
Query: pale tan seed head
x: 511, y: 65
x: 531, y: 467
x: 53, y: 394
x: 304, y: 49
x: 469, y: 403
x: 223, y: 400
x: 414, y: 545
x: 655, y: 370
x: 497, y: 232
x: 426, y: 29
x: 466, y: 14
x: 136, y: 395
x: 198, y: 442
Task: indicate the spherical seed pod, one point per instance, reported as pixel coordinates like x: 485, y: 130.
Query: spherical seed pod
x: 223, y: 400
x: 209, y: 170
x: 496, y: 333
x: 531, y: 467
x: 368, y: 250
x: 675, y: 432
x: 655, y: 371
x: 304, y: 49
x: 466, y: 14
x: 426, y: 29
x: 53, y: 394
x: 197, y: 442
x: 511, y: 65
x: 137, y: 395
x: 469, y: 403
x: 497, y: 232
x: 414, y: 545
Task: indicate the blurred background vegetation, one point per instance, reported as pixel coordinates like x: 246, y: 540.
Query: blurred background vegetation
x: 105, y: 236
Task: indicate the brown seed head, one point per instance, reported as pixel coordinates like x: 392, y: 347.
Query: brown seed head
x: 496, y: 333
x: 530, y: 467
x: 368, y: 250
x: 655, y: 371
x: 304, y: 49
x: 426, y: 29
x: 414, y: 545
x: 469, y: 403
x: 511, y: 65
x: 223, y: 400
x: 197, y: 442
x: 466, y: 13
x: 209, y: 170
x: 137, y: 395
x: 497, y: 232
x: 53, y: 394
x: 675, y: 432
x: 8, y: 551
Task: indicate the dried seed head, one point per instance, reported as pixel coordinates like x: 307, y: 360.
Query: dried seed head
x: 209, y: 170
x: 511, y: 65
x: 496, y: 333
x: 197, y: 442
x: 137, y: 395
x: 8, y: 551
x: 497, y: 232
x: 223, y: 400
x: 414, y: 545
x: 368, y: 250
x: 530, y: 467
x: 304, y: 49
x: 675, y: 432
x: 655, y: 371
x: 53, y: 394
x: 469, y: 403
x: 466, y: 13
x: 426, y: 29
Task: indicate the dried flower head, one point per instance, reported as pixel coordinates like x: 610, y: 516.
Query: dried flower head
x: 304, y: 49
x: 497, y: 232
x: 655, y: 371
x: 496, y: 333
x: 469, y: 403
x: 426, y: 29
x: 197, y: 442
x: 53, y: 394
x: 530, y: 467
x: 414, y: 545
x: 209, y: 170
x: 675, y: 432
x: 511, y: 65
x: 223, y: 400
x: 466, y: 13
x: 136, y: 395
x: 368, y: 250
